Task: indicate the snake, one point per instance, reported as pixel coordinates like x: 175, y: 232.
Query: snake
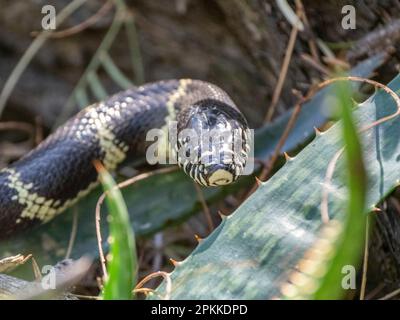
x: 59, y: 171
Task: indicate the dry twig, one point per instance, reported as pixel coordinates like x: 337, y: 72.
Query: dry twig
x: 101, y: 200
x: 332, y: 164
x: 282, y: 74
x: 81, y: 26
x: 206, y: 210
x: 168, y: 283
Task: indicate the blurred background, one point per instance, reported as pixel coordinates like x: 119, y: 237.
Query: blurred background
x: 237, y: 44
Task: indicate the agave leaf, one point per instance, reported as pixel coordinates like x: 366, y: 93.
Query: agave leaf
x: 252, y: 252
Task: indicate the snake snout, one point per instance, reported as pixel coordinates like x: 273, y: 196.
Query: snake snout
x: 220, y: 174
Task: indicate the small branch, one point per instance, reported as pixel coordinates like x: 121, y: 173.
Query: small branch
x: 315, y: 64
x: 282, y: 74
x: 119, y: 17
x: 335, y: 62
x: 101, y: 200
x: 17, y: 125
x: 291, y: 17
x: 10, y: 263
x: 38, y: 130
x: 325, y: 187
x: 375, y: 291
x: 81, y: 26
x: 206, y: 210
x: 277, y: 151
x: 311, y: 41
x: 376, y: 40
x: 72, y: 236
x: 158, y: 243
x: 167, y: 278
x: 332, y: 163
x: 31, y: 52
x: 36, y: 270
x: 391, y: 295
x: 365, y: 262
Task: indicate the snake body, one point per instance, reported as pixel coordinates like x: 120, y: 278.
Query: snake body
x: 60, y: 170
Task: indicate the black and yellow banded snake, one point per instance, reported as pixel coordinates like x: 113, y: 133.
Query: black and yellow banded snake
x: 59, y: 171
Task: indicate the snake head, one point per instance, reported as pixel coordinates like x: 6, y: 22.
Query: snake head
x: 213, y: 143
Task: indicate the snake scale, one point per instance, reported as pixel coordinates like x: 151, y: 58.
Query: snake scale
x: 59, y: 171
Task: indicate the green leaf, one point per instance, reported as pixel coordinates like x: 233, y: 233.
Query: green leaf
x: 335, y: 254
x: 152, y: 203
x: 122, y: 260
x: 350, y: 242
x: 253, y: 252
